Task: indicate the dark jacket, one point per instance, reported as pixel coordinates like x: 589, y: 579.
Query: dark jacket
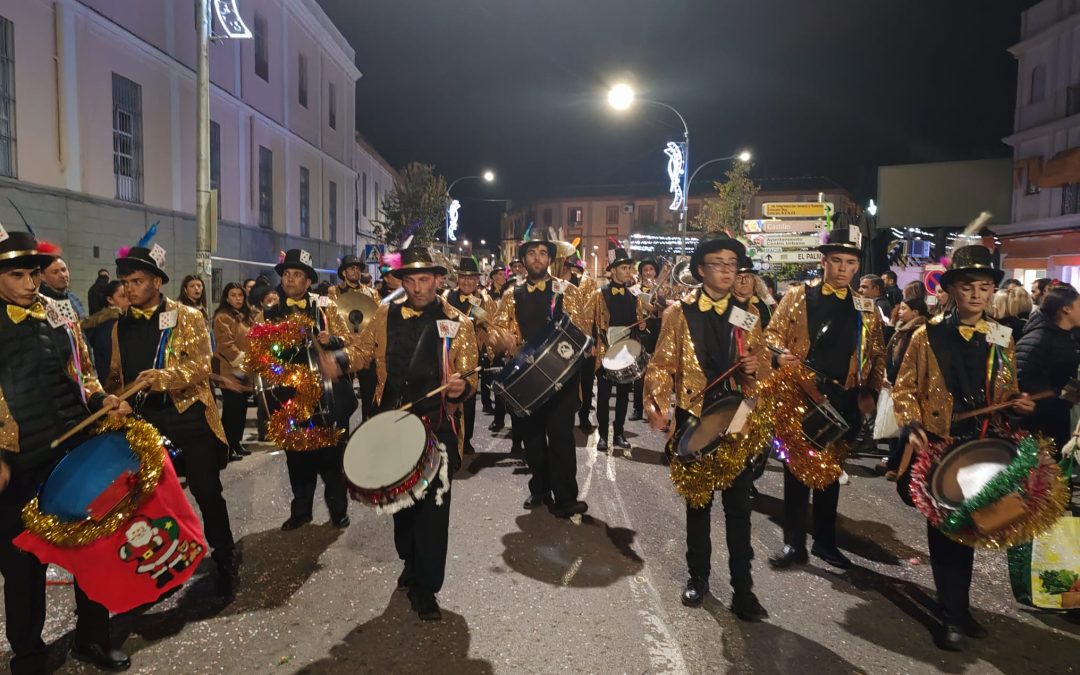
x: 95, y: 297
x: 1046, y: 358
x: 898, y: 344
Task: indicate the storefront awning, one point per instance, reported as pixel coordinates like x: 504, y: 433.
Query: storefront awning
x: 1062, y: 169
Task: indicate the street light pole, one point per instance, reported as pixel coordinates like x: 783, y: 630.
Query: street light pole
x: 487, y: 177
x: 203, y: 236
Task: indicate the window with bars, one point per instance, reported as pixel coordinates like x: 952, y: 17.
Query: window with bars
x: 262, y: 62
x: 215, y: 162
x: 331, y: 210
x: 612, y: 215
x: 7, y: 98
x: 301, y: 80
x: 1070, y: 199
x: 332, y: 104
x: 305, y: 202
x: 127, y: 138
x: 266, y: 188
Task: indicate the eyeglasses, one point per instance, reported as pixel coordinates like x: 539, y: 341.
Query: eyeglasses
x: 744, y: 277
x: 720, y: 266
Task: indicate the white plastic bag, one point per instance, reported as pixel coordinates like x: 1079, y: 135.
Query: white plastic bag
x: 885, y: 423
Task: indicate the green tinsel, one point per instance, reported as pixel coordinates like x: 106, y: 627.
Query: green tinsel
x: 1009, y: 480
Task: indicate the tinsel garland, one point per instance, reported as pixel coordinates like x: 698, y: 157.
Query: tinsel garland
x: 696, y: 481
x: 145, y: 442
x: 1039, y: 484
x: 290, y: 426
x: 782, y: 401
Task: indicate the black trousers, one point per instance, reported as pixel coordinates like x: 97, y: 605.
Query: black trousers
x: 736, y: 501
x: 639, y: 392
x: 485, y: 384
x: 796, y: 502
x: 305, y: 469
x: 422, y: 531
x: 952, y: 563
x: 367, y: 379
x: 24, y: 601
x: 588, y: 376
x: 468, y: 407
x: 234, y: 407
x: 549, y: 446
x: 603, y: 403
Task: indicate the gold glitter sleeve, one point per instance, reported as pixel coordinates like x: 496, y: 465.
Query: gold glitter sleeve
x: 337, y: 324
x: 504, y: 327
x: 660, y: 373
x: 188, y: 362
x: 464, y: 354
x: 576, y: 305
x: 90, y: 383
x: 1006, y: 384
x: 755, y: 344
x: 783, y: 319
x: 911, y: 379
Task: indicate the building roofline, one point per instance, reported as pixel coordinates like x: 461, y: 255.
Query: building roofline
x: 1053, y: 30
x: 379, y: 159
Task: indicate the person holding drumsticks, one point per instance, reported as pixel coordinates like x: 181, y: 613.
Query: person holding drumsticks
x: 837, y: 333
x: 524, y: 314
x: 944, y: 374
x: 45, y: 389
x: 699, y: 343
x: 467, y: 298
x: 417, y: 346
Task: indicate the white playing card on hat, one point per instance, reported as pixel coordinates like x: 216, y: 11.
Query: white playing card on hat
x: 4, y: 236
x: 305, y: 257
x: 158, y: 255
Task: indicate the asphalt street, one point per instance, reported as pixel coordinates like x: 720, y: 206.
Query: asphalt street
x: 529, y: 593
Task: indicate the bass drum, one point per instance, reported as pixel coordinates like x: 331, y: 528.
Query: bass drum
x: 541, y: 367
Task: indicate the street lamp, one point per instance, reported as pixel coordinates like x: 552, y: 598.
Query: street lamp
x: 743, y: 156
x: 452, y: 210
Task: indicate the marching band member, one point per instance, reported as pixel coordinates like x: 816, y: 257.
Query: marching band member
x: 307, y: 466
x: 466, y: 299
x: 698, y: 343
x: 749, y: 289
x: 944, y: 372
x: 42, y: 394
x: 575, y: 273
x: 548, y: 432
x: 838, y: 334
x: 166, y: 345
x: 388, y: 284
x: 416, y: 346
x: 613, y: 306
x: 647, y: 271
x: 351, y: 273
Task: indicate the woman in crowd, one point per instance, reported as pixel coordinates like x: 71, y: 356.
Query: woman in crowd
x: 1011, y: 307
x: 98, y: 326
x: 232, y: 321
x: 193, y: 294
x: 911, y: 313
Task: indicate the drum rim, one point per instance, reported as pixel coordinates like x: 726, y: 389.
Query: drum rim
x: 943, y: 461
x: 694, y: 422
x: 563, y: 323
x: 429, y: 442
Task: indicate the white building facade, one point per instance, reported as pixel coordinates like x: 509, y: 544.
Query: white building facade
x: 97, y: 132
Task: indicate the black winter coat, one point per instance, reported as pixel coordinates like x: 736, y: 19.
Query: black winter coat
x: 1046, y: 358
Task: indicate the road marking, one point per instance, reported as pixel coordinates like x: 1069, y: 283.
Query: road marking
x: 590, y: 463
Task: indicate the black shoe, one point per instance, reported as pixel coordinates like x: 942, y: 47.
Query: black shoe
x: 570, y: 510
x: 228, y: 579
x: 496, y: 426
x: 694, y: 593
x: 294, y: 522
x: 404, y: 580
x: 242, y: 450
x: 746, y: 607
x: 584, y: 425
x: 427, y: 608
x: 620, y: 442
x: 102, y: 657
x: 951, y: 638
x: 788, y: 556
x: 235, y: 456
x: 637, y: 416
x: 340, y: 522
x: 972, y: 628
x: 831, y: 555
x: 601, y: 444
x: 535, y: 502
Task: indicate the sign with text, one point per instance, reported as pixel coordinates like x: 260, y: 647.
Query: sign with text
x: 796, y: 209
x: 785, y: 240
x: 782, y: 226
x: 790, y: 257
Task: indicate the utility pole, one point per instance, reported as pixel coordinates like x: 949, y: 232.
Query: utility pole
x: 203, y: 236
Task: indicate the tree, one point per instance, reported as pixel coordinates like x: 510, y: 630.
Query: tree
x: 416, y: 206
x: 725, y: 212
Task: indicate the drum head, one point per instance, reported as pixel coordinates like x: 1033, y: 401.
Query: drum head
x: 622, y: 354
x: 384, y: 449
x: 967, y: 468
x: 701, y: 437
x: 84, y: 474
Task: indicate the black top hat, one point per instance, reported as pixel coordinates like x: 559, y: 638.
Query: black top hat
x: 417, y: 258
x: 21, y: 251
x: 708, y: 246
x: 842, y: 240
x: 649, y: 261
x: 621, y: 258
x: 467, y: 267
x: 499, y: 267
x: 974, y: 259
x: 349, y: 261
x: 746, y: 264
x: 298, y: 259
x: 532, y: 239
x: 139, y: 258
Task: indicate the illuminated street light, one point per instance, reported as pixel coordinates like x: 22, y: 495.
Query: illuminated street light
x: 621, y: 96
x: 489, y: 176
x: 745, y: 156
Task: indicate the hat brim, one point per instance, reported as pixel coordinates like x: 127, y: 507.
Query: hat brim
x: 27, y: 260
x: 417, y: 268
x: 712, y: 246
x: 850, y: 249
x: 621, y: 261
x: 306, y: 269
x: 649, y: 261
x: 549, y: 245
x: 126, y: 266
x: 950, y: 275
x: 468, y: 273
x: 356, y: 263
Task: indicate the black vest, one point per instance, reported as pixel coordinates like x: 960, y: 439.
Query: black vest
x: 414, y: 358
x: 834, y: 332
x: 713, y: 344
x: 534, y: 310
x: 963, y: 365
x: 622, y: 308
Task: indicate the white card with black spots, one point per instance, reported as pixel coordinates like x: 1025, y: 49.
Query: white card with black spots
x: 999, y: 335
x: 741, y: 318
x: 448, y: 328
x: 167, y: 320
x: 635, y: 291
x: 52, y: 314
x: 67, y: 311
x: 158, y: 255
x: 322, y: 301
x: 3, y: 234
x: 646, y: 298
x: 559, y: 285
x: 305, y: 257
x: 864, y: 304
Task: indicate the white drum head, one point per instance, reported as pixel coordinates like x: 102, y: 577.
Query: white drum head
x: 384, y: 449
x: 622, y: 354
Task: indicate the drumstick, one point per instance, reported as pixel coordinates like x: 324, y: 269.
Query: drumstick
x: 131, y: 391
x: 438, y: 390
x: 781, y: 352
x: 723, y: 376
x: 998, y: 406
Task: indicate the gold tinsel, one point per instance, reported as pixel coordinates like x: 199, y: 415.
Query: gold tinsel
x: 696, y: 481
x: 781, y: 400
x: 145, y: 442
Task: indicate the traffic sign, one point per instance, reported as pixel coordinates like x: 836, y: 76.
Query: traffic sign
x: 373, y: 253
x: 797, y: 209
x: 782, y: 226
x: 790, y: 257
x: 932, y: 281
x: 785, y: 240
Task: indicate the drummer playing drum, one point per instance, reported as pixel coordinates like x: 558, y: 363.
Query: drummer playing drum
x: 698, y: 342
x: 943, y: 374
x: 417, y: 346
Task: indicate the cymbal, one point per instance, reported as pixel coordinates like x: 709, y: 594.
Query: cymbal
x: 358, y: 308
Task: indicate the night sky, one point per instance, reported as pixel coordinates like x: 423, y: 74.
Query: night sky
x: 829, y: 89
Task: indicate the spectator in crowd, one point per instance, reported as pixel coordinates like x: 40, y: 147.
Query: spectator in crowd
x: 1011, y: 307
x: 911, y: 313
x: 192, y: 293
x: 248, y: 283
x: 1038, y: 288
x: 1047, y: 357
x: 56, y: 284
x: 232, y: 321
x: 262, y: 295
x: 872, y: 286
x: 892, y: 291
x: 1010, y: 283
x: 98, y: 326
x: 95, y: 297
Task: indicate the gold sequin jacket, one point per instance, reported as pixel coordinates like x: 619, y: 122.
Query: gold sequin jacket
x: 788, y: 328
x: 186, y: 375
x: 675, y: 368
x: 505, y: 325
x: 601, y: 319
x: 490, y: 307
x: 921, y: 394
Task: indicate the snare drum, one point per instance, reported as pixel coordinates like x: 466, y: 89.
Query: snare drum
x: 391, y: 460
x: 541, y: 367
x: 625, y: 361
x: 270, y: 398
x: 702, y: 436
x: 822, y: 423
x: 92, y: 480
